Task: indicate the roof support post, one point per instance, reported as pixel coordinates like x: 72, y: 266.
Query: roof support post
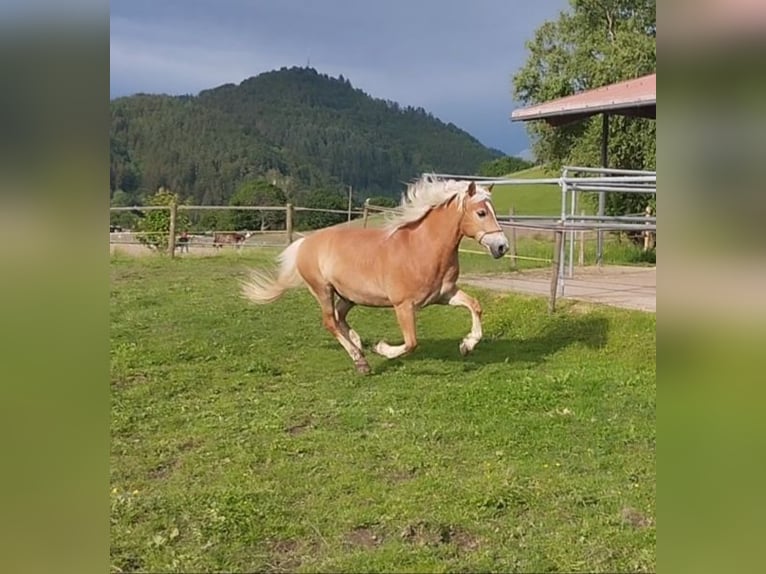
x: 602, y: 194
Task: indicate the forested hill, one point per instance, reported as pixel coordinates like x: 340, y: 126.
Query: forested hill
x: 294, y: 126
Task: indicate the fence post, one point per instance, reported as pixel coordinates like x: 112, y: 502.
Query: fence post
x: 581, y: 254
x: 555, y: 275
x: 289, y: 222
x: 513, y: 247
x: 366, y: 212
x: 648, y: 239
x: 172, y: 230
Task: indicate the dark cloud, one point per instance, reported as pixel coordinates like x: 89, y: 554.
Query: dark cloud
x: 455, y: 59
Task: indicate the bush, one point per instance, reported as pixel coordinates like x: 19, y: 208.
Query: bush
x: 383, y: 201
x: 154, y: 227
x: 321, y: 199
x: 503, y: 166
x: 258, y: 192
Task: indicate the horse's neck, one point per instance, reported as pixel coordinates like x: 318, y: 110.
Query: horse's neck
x: 439, y: 231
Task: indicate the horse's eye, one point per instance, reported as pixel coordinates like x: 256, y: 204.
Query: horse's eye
x: 481, y: 213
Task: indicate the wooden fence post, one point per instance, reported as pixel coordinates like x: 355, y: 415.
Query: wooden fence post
x: 172, y: 230
x: 513, y: 247
x: 289, y: 222
x: 555, y: 275
x: 366, y: 212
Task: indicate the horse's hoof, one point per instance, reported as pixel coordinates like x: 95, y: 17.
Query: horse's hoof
x: 362, y: 367
x: 464, y: 350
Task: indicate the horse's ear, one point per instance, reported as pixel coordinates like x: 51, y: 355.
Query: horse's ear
x: 489, y: 188
x: 471, y: 189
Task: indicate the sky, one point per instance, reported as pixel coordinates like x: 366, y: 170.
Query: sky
x: 456, y: 59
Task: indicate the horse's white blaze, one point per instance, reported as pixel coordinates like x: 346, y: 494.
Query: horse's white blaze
x: 390, y: 351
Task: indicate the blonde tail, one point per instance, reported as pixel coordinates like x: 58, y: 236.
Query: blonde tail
x: 264, y: 288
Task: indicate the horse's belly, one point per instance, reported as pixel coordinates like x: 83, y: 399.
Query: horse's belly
x: 362, y: 294
x: 361, y: 287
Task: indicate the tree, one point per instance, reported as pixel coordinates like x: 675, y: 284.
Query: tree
x: 294, y: 128
x: 154, y: 227
x: 322, y: 199
x: 383, y: 201
x: 258, y: 192
x: 503, y: 166
x: 124, y: 219
x: 595, y: 43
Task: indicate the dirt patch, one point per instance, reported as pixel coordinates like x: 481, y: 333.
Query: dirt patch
x: 425, y: 534
x: 187, y: 445
x: 164, y: 469
x: 300, y: 427
x: 130, y: 380
x: 464, y: 540
x: 288, y: 555
x: 635, y: 518
x: 363, y: 537
x: 398, y: 476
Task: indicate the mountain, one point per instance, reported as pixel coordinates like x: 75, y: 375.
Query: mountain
x: 296, y: 127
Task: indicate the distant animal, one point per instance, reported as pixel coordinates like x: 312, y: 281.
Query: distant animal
x: 229, y: 238
x: 183, y: 242
x: 409, y: 264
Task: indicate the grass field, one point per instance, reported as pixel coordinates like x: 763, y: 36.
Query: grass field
x: 242, y: 439
x: 529, y: 199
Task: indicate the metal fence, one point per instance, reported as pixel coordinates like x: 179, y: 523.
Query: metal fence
x: 569, y: 225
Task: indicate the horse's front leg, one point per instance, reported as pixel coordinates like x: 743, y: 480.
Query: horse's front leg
x: 462, y: 299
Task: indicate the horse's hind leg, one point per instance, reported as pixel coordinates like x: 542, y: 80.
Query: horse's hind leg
x: 462, y: 299
x: 342, y: 307
x: 405, y: 315
x: 325, y: 296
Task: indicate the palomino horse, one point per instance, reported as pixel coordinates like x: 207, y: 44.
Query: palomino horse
x: 410, y: 264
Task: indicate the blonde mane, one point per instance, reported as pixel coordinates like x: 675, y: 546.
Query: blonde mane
x: 428, y: 192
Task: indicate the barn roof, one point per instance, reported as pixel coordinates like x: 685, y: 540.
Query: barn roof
x: 637, y: 97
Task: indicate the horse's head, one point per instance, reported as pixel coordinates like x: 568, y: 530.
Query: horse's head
x: 479, y: 221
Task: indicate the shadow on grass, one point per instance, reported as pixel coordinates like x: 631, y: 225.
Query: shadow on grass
x: 558, y: 334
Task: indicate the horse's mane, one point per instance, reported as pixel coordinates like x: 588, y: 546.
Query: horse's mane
x: 429, y: 192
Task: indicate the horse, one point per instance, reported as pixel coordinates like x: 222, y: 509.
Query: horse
x: 231, y: 238
x: 182, y: 242
x: 409, y: 264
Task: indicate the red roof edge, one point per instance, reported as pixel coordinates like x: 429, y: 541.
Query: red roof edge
x: 631, y: 97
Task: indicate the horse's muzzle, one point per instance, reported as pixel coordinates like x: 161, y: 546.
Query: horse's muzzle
x: 496, y: 243
x: 499, y: 250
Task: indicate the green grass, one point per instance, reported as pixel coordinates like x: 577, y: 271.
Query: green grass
x: 243, y: 440
x: 528, y: 199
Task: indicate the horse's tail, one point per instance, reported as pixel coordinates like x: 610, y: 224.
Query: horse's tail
x: 264, y: 288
